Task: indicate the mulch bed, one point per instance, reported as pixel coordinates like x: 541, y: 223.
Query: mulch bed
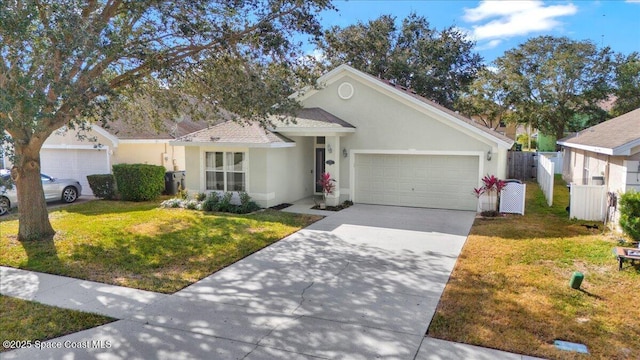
x: 344, y: 205
x: 280, y: 206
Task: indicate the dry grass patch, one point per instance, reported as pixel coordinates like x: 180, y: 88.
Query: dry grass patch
x: 510, y: 287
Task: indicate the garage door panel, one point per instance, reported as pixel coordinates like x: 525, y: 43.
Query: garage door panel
x: 75, y: 164
x: 436, y: 181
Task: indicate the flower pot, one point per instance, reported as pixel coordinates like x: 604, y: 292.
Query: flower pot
x: 323, y: 206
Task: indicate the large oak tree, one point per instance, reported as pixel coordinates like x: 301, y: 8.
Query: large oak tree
x: 627, y: 84
x: 63, y: 61
x: 553, y: 81
x: 437, y: 64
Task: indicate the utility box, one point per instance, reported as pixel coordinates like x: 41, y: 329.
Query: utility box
x: 576, y: 280
x: 173, y: 181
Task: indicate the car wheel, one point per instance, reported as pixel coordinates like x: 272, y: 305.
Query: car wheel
x: 5, y: 205
x: 69, y: 194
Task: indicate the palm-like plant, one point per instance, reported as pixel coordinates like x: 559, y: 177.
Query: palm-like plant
x: 328, y: 185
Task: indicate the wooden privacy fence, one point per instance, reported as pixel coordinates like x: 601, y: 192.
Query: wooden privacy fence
x: 521, y: 165
x: 587, y: 202
x: 545, y: 177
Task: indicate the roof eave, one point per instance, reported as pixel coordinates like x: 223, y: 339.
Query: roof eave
x: 595, y: 149
x: 233, y: 144
x: 294, y: 129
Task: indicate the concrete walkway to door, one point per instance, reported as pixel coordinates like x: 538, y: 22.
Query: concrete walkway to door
x: 362, y: 283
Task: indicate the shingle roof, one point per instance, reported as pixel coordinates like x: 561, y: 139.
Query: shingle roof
x: 169, y: 129
x: 231, y: 132
x: 312, y: 118
x: 611, y: 134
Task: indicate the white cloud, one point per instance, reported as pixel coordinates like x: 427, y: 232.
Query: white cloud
x: 505, y: 19
x: 633, y: 1
x: 489, y: 45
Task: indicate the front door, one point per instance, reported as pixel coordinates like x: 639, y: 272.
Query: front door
x: 319, y: 168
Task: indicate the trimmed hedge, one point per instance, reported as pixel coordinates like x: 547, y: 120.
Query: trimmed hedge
x: 630, y: 214
x: 103, y: 186
x: 139, y: 182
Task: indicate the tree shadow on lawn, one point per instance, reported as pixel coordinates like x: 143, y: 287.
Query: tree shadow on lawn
x: 167, y: 260
x: 522, y: 325
x: 42, y: 255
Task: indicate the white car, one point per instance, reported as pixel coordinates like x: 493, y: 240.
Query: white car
x: 67, y: 190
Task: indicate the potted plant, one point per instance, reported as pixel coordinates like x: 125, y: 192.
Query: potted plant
x: 328, y: 185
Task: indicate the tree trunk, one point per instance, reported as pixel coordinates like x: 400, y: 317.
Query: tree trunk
x: 33, y: 219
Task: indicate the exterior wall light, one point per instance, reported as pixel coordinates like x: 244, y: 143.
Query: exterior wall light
x: 489, y: 155
x: 344, y: 152
x: 329, y: 149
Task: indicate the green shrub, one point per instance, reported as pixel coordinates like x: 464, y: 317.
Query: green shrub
x: 246, y: 204
x: 103, y: 186
x: 211, y: 203
x: 225, y: 203
x: 630, y: 214
x: 222, y: 203
x: 139, y: 182
x: 201, y: 196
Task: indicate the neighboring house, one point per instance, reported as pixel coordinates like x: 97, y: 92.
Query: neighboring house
x: 63, y: 155
x: 605, y: 154
x: 507, y: 129
x: 382, y: 144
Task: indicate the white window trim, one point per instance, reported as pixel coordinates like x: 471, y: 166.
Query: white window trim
x: 225, y: 171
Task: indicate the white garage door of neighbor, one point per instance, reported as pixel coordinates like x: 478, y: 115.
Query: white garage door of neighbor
x: 75, y: 164
x: 431, y: 181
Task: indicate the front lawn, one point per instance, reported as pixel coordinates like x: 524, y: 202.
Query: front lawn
x: 142, y: 246
x: 24, y: 321
x: 510, y: 287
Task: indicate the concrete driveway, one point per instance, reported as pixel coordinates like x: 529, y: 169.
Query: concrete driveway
x: 360, y: 284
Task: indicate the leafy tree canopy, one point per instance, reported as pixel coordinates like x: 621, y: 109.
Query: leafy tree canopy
x: 627, y: 82
x: 552, y: 81
x: 435, y: 64
x: 485, y: 99
x: 63, y: 61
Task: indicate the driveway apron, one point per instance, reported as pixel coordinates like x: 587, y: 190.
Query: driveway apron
x: 360, y: 284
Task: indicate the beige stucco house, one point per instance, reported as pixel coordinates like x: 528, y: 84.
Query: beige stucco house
x: 383, y: 144
x: 64, y: 155
x: 605, y: 154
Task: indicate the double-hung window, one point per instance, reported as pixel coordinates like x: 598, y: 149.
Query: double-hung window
x: 225, y: 171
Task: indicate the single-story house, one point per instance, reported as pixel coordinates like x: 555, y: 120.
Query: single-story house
x: 382, y: 143
x: 605, y: 154
x: 64, y: 155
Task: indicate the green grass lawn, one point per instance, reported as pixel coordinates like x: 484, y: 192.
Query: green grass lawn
x: 142, y: 246
x: 130, y: 244
x: 22, y: 320
x: 510, y: 287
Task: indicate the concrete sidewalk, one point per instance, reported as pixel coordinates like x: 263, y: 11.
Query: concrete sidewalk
x: 362, y: 283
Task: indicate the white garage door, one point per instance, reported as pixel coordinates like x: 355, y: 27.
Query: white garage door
x: 432, y: 181
x: 75, y: 164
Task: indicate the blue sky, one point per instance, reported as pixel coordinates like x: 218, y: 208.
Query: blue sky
x: 500, y: 25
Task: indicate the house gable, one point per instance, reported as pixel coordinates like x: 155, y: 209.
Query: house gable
x: 368, y: 97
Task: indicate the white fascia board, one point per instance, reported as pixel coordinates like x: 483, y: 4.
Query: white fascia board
x: 595, y: 149
x: 74, y: 147
x: 145, y: 141
x: 114, y: 140
x: 421, y: 106
x: 238, y: 145
x: 626, y: 148
x: 313, y: 131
